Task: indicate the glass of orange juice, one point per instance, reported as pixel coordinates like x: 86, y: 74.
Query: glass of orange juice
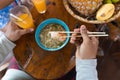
x: 21, y: 16
x: 40, y: 5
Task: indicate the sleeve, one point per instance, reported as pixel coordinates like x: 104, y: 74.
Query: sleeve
x: 6, y: 46
x: 86, y: 69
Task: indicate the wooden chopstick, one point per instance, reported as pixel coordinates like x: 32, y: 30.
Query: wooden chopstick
x: 90, y: 35
x: 99, y: 33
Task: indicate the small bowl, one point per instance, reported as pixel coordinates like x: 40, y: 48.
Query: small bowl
x: 45, y: 23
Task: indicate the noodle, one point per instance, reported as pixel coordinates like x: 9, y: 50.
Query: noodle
x: 46, y: 39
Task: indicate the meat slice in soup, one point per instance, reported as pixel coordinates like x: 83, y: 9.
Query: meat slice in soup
x: 59, y: 36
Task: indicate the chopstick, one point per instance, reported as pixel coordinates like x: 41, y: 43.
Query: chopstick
x: 99, y: 33
x: 90, y: 35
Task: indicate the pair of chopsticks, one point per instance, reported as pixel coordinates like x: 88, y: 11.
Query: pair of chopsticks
x: 90, y: 34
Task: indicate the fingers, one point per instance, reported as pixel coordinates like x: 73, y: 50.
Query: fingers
x: 73, y: 38
x: 95, y: 40
x: 5, y: 27
x: 25, y: 31
x: 84, y: 34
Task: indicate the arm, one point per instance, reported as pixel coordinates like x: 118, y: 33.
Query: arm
x: 11, y: 33
x: 6, y: 46
x: 4, y: 3
x: 7, y: 59
x: 85, y: 55
x: 86, y: 69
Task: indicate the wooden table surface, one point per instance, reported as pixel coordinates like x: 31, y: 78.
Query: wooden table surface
x: 43, y: 64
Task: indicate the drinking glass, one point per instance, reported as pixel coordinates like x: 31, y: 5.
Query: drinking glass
x: 21, y: 16
x: 40, y: 5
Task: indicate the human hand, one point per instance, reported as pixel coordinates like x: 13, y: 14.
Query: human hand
x: 13, y: 32
x: 27, y: 3
x: 88, y: 48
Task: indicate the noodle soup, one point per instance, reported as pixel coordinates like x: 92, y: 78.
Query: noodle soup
x: 46, y: 39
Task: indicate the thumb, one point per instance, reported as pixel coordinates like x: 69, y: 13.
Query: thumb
x: 84, y: 34
x: 25, y: 31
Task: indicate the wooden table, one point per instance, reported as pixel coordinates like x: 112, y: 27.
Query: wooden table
x: 43, y: 64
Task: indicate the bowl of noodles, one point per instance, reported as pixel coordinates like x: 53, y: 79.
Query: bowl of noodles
x: 43, y: 36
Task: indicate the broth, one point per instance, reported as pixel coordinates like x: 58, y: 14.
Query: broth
x: 46, y: 39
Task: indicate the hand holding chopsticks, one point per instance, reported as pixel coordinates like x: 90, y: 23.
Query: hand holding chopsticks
x: 89, y: 46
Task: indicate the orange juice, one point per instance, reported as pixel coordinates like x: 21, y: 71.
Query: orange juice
x: 40, y: 5
x: 27, y: 21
